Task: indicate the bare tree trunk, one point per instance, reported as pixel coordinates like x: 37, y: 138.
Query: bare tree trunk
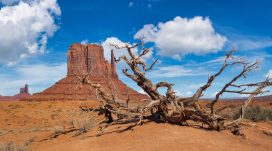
x: 168, y: 107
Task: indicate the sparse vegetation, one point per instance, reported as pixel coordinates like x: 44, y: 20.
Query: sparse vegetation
x: 257, y: 114
x: 58, y: 130
x: 11, y: 146
x: 2, y: 132
x: 43, y: 133
x: 29, y: 141
x: 83, y: 126
x: 14, y: 107
x: 74, y: 123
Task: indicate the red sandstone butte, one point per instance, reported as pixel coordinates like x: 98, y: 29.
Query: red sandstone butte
x: 82, y: 59
x: 24, y: 94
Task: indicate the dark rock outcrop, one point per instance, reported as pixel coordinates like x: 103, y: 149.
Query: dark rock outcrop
x: 84, y: 59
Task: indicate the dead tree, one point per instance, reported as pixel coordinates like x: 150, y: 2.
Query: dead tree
x: 169, y: 107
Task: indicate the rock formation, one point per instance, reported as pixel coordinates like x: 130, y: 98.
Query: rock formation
x: 84, y: 59
x: 24, y: 90
x: 24, y: 94
x: 89, y: 58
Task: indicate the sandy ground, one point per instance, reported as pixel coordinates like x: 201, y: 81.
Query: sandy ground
x: 34, y: 123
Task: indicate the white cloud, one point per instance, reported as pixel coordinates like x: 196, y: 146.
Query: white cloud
x: 38, y: 76
x: 182, y: 36
x: 216, y: 61
x: 214, y: 94
x: 142, y: 91
x: 178, y: 93
x: 85, y: 41
x: 174, y: 71
x: 269, y: 74
x: 185, y: 94
x: 117, y: 52
x: 25, y: 28
x: 130, y: 4
x: 251, y: 43
x: 195, y: 86
x: 209, y: 64
x: 189, y: 93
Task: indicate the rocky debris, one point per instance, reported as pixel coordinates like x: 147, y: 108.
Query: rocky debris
x: 82, y: 59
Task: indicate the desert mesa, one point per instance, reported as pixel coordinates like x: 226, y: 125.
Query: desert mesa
x: 87, y: 59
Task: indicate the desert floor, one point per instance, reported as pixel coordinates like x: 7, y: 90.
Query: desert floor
x: 32, y: 124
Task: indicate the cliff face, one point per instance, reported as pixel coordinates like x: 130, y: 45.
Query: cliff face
x: 84, y: 59
x: 90, y: 59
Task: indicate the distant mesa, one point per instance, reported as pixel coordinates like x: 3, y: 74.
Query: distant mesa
x: 24, y: 94
x: 82, y: 59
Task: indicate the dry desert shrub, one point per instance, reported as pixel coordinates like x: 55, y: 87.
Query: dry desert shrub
x: 58, y: 130
x: 257, y: 114
x: 11, y: 146
x: 83, y: 125
x: 86, y: 125
x: 15, y: 106
x: 74, y: 123
x: 2, y: 132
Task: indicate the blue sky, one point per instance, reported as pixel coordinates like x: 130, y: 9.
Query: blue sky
x: 188, y: 37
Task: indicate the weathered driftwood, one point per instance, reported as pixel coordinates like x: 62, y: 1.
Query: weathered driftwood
x: 169, y: 107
